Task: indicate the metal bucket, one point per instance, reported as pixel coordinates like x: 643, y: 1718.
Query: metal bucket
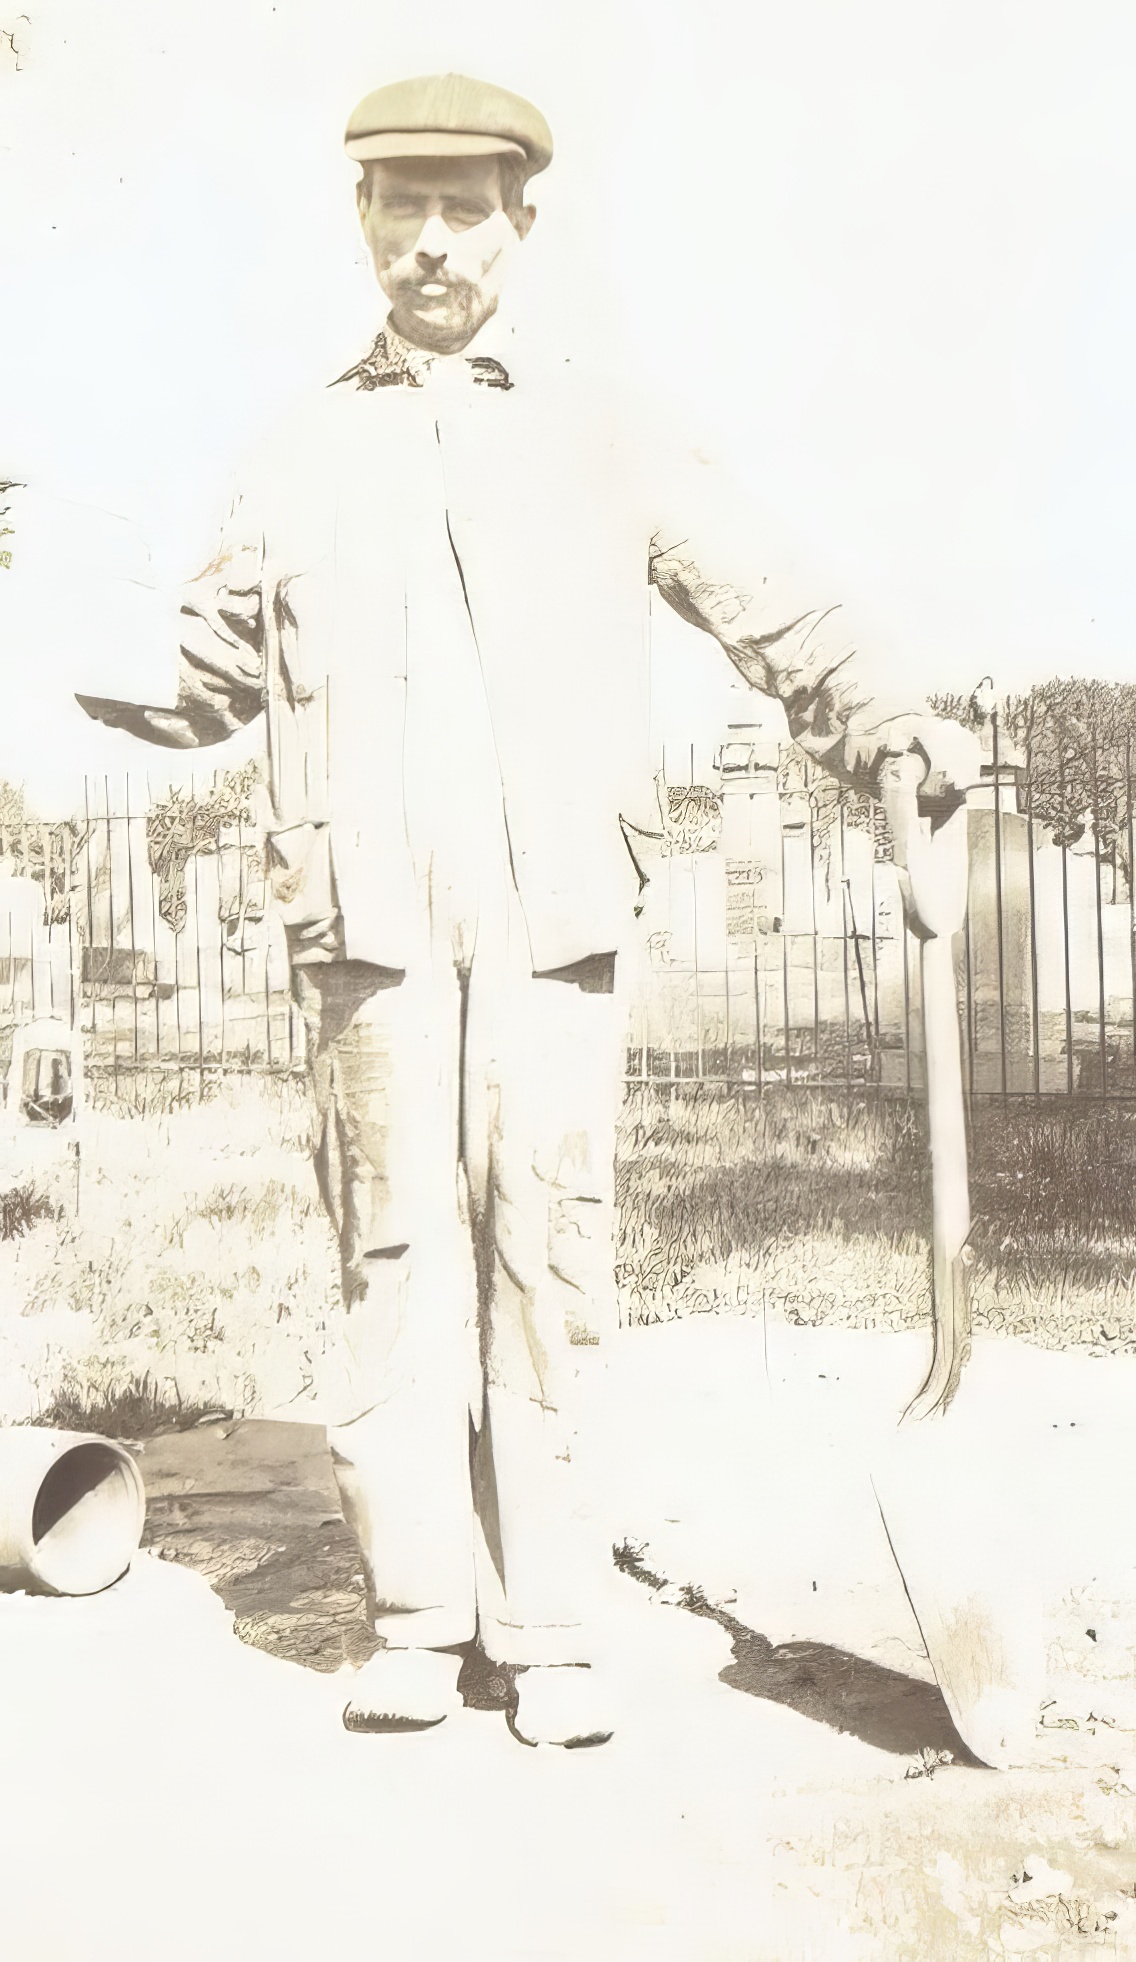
x: 72, y: 1509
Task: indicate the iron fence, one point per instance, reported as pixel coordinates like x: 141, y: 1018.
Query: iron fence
x: 166, y: 956
x: 772, y: 948
x: 775, y: 951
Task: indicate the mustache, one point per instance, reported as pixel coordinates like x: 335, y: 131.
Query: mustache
x: 414, y: 281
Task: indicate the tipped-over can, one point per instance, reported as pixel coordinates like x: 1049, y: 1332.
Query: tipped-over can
x: 72, y: 1509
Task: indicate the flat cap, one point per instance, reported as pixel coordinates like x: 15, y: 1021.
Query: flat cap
x: 448, y: 116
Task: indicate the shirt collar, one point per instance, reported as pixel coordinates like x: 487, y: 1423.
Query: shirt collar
x: 392, y: 362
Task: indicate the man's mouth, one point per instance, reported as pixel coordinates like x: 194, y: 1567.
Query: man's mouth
x: 433, y: 290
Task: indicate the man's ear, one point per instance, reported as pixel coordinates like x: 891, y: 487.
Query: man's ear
x: 363, y: 194
x: 524, y: 220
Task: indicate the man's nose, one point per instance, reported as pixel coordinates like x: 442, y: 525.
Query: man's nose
x: 433, y: 242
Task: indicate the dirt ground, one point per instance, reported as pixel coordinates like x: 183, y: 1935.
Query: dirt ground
x: 787, y: 1781
x: 253, y: 1508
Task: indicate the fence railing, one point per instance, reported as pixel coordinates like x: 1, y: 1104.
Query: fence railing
x: 164, y: 959
x: 772, y: 949
x: 775, y: 950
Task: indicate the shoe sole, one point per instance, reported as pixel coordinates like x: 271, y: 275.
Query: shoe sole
x: 588, y: 1743
x: 376, y: 1726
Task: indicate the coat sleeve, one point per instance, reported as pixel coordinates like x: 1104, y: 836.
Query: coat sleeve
x: 221, y: 672
x: 221, y: 651
x: 724, y: 566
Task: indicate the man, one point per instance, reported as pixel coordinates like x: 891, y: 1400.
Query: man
x: 436, y: 590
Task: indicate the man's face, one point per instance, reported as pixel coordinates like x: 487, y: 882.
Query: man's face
x: 441, y: 240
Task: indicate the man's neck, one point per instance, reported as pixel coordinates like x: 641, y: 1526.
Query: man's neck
x: 417, y: 352
x: 395, y: 360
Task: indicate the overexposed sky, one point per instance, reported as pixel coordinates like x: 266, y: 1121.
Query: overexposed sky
x: 882, y: 253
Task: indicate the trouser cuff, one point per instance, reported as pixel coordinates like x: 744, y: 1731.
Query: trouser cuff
x: 425, y: 1628
x: 537, y: 1644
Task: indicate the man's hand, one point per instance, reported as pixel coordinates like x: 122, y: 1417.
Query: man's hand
x: 929, y: 838
x: 168, y: 728
x: 924, y: 794
x: 952, y: 760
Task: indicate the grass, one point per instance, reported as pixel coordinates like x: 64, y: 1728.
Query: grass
x: 126, y: 1406
x: 819, y: 1208
x: 1055, y: 1191
x: 20, y: 1208
x: 196, y: 1275
x: 199, y: 1273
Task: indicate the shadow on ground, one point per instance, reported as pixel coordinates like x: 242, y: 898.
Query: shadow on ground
x: 847, y: 1692
x: 253, y: 1508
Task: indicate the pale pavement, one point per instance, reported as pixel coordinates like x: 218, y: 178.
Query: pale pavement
x: 170, y: 1793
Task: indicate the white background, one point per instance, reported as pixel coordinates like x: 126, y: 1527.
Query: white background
x: 882, y: 252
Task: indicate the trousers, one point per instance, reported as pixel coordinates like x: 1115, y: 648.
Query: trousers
x: 466, y: 1113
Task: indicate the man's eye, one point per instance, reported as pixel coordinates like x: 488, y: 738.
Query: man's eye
x: 465, y: 215
x: 400, y: 207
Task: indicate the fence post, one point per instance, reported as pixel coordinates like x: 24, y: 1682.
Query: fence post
x: 998, y: 914
x: 1035, y: 999
x: 89, y: 949
x: 111, y: 982
x: 1102, y: 1006
x: 133, y: 928
x: 1131, y: 893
